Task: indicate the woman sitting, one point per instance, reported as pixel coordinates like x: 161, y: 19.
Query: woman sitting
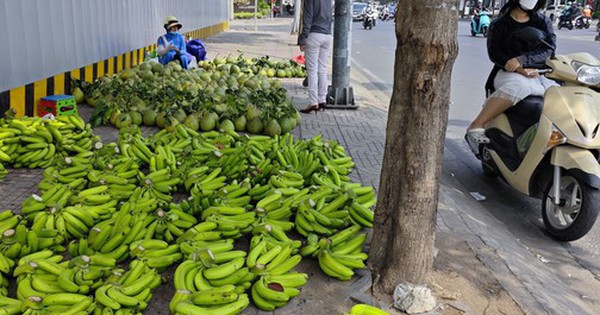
x: 171, y: 46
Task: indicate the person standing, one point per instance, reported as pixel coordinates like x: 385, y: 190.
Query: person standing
x: 171, y: 46
x: 315, y: 42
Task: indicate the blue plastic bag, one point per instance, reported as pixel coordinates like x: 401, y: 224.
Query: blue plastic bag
x: 196, y: 48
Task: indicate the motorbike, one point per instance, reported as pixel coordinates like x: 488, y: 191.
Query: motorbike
x: 565, y: 21
x: 582, y: 22
x: 549, y: 147
x: 369, y: 20
x: 483, y: 26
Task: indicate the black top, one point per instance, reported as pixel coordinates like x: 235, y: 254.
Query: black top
x: 502, y: 46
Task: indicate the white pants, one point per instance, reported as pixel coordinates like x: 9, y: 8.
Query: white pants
x: 515, y: 87
x: 316, y: 53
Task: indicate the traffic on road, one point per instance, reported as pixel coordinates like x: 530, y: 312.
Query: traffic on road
x: 373, y: 55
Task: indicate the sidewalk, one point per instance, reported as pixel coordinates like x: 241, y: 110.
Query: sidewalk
x: 480, y: 266
x: 473, y: 245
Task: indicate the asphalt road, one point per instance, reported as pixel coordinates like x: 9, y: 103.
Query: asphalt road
x: 576, y: 263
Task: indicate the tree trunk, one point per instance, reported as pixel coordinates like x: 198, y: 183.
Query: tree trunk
x: 405, y: 217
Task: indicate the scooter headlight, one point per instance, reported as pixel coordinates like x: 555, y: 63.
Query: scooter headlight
x: 587, y: 74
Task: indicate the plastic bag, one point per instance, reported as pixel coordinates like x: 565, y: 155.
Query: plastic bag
x: 196, y: 48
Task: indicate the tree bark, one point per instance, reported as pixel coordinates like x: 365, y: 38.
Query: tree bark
x: 405, y: 217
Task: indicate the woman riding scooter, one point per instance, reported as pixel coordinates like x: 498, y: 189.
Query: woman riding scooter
x: 511, y: 79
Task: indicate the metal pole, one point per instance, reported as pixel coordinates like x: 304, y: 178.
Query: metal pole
x: 340, y: 94
x: 297, y: 8
x: 255, y: 14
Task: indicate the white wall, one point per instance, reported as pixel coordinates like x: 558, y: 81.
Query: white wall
x: 42, y: 38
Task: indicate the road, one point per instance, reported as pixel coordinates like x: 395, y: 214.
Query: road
x: 577, y: 263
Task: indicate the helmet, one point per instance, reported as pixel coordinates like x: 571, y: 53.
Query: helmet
x: 569, y: 3
x: 171, y: 21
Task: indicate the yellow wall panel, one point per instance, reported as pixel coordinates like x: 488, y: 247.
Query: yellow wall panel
x: 17, y: 100
x: 39, y: 91
x: 59, y: 83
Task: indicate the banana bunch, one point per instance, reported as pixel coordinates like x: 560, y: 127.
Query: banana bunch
x: 265, y: 257
x: 77, y: 136
x: 339, y: 254
x: 9, y: 220
x: 110, y: 238
x: 51, y: 201
x: 58, y: 303
x: 65, y: 170
x: 224, y: 300
x: 21, y: 241
x: 261, y: 172
x: 155, y: 254
x: 365, y: 196
x: 206, y: 185
x: 133, y: 290
x: 134, y: 147
x: 164, y: 225
x: 10, y: 306
x: 6, y: 265
x: 232, y: 222
x: 365, y: 309
x: 287, y: 179
x: 159, y: 184
x: 275, y: 235
x: 3, y: 171
x: 27, y: 143
x: 267, y: 294
x: 311, y: 219
x: 223, y: 269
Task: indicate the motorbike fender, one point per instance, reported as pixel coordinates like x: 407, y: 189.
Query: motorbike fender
x: 581, y: 163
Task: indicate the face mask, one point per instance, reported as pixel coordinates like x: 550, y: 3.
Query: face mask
x: 172, y: 33
x: 527, y: 5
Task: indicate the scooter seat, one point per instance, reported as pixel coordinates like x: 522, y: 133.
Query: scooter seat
x: 525, y: 114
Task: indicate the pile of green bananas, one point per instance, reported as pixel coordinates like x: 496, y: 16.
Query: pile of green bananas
x: 115, y: 202
x: 33, y: 142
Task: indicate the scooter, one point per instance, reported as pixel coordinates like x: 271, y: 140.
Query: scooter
x: 565, y: 21
x: 548, y: 147
x: 369, y: 20
x: 483, y: 26
x: 582, y: 22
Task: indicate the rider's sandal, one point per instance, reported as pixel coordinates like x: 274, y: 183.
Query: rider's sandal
x: 476, y: 137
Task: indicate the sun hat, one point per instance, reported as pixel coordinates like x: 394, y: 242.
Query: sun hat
x: 171, y: 21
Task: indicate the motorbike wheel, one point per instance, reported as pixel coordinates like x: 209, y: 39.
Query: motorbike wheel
x: 473, y: 32
x: 574, y: 217
x: 570, y: 26
x: 587, y: 25
x: 484, y: 31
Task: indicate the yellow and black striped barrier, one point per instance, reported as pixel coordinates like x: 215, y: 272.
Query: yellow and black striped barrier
x: 25, y: 99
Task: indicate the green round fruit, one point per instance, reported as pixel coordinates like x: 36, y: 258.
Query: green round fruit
x: 286, y: 124
x: 226, y: 126
x: 240, y: 123
x: 254, y: 126
x: 78, y: 94
x: 136, y: 118
x: 273, y: 128
x: 191, y: 122
x: 123, y: 121
x: 149, y: 117
x: 208, y: 123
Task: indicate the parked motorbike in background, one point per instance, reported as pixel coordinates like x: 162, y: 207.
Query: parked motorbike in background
x: 483, y: 26
x: 548, y: 147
